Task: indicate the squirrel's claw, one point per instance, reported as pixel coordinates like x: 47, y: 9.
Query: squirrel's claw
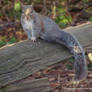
x: 75, y: 82
x: 33, y: 39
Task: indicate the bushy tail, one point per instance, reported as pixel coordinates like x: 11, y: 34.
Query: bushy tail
x: 80, y: 66
x: 73, y: 45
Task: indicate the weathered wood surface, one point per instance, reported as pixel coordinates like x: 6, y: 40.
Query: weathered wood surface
x: 25, y: 58
x: 37, y: 85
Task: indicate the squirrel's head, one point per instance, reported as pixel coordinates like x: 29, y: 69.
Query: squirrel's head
x: 27, y: 10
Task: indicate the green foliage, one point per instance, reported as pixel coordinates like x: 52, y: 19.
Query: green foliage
x: 90, y: 66
x: 1, y: 14
x: 90, y: 18
x: 37, y: 1
x: 71, y: 60
x: 11, y: 11
x: 17, y: 6
x: 85, y: 1
x: 17, y: 15
x: 6, y: 1
x: 10, y: 14
x: 27, y: 1
x: 3, y: 89
x: 63, y: 20
x: 17, y: 10
x: 12, y: 40
x: 2, y: 43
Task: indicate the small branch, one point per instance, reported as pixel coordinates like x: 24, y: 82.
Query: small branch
x: 44, y: 10
x: 76, y: 89
x: 72, y: 75
x: 11, y: 24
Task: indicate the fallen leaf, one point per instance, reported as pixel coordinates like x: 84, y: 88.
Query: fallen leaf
x: 90, y: 56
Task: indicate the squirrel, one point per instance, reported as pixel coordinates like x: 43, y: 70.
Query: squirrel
x: 40, y: 26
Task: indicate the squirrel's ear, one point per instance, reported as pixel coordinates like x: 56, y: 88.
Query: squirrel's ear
x: 32, y: 6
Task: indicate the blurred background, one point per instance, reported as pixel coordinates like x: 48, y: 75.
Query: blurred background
x: 64, y: 12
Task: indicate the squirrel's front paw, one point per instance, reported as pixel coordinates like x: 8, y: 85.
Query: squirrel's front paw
x: 74, y: 82
x: 33, y: 39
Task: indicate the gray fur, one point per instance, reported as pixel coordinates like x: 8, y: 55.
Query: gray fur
x: 53, y: 33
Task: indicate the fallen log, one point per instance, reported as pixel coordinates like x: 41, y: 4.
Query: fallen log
x: 25, y: 58
x: 37, y: 85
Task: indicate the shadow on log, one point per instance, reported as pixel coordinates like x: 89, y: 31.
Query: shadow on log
x: 25, y: 58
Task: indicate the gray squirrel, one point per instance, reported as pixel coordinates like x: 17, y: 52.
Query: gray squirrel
x: 39, y: 26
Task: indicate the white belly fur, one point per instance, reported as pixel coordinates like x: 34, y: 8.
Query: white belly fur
x: 28, y: 25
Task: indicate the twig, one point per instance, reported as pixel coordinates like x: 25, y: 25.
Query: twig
x: 89, y: 76
x: 11, y: 24
x: 44, y: 10
x: 80, y: 89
